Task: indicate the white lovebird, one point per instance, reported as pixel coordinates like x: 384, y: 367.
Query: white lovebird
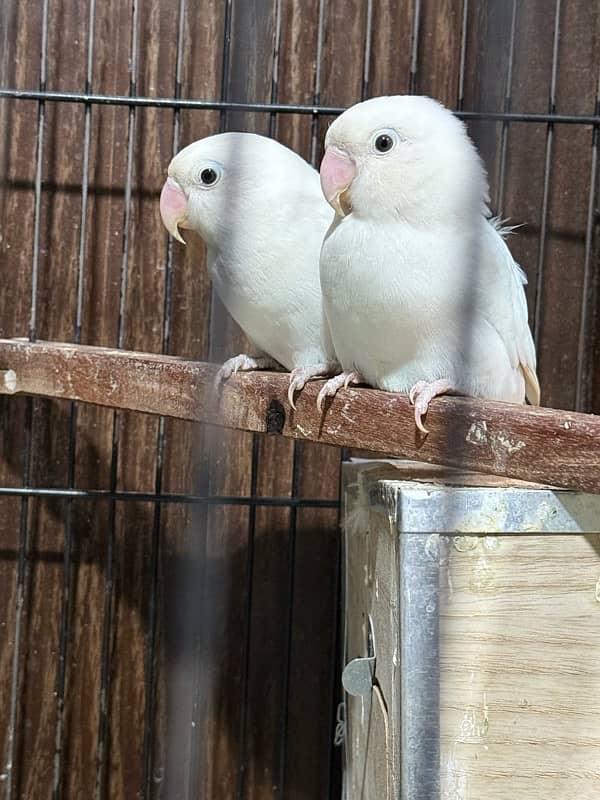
x: 260, y: 209
x: 420, y: 290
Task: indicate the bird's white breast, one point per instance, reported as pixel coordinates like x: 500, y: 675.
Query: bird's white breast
x: 268, y: 279
x: 402, y: 303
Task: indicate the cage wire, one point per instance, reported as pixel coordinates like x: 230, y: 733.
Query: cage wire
x: 198, y: 625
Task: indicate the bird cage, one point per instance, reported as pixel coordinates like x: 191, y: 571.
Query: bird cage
x: 170, y: 601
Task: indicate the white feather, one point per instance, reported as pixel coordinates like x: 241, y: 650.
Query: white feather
x: 417, y: 283
x: 263, y: 222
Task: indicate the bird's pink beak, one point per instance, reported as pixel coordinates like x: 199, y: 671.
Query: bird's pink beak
x: 338, y: 171
x: 173, y: 207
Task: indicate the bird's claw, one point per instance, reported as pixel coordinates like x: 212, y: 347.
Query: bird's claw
x: 420, y: 411
x: 300, y: 376
x: 414, y: 391
x: 333, y: 385
x: 240, y: 363
x: 422, y: 393
x: 222, y: 375
x: 297, y: 382
x: 326, y: 391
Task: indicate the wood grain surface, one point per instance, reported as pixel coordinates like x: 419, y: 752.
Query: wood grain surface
x: 520, y: 628
x: 559, y: 448
x: 519, y: 633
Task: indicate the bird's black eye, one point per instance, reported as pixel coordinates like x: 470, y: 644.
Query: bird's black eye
x: 384, y: 143
x: 208, y: 176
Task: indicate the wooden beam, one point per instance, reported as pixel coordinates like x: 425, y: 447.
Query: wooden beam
x: 535, y: 444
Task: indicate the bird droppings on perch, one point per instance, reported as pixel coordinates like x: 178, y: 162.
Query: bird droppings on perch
x: 9, y: 381
x: 559, y: 448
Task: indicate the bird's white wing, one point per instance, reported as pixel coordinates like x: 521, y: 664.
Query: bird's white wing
x: 505, y: 305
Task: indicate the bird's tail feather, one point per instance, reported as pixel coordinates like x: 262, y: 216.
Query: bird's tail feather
x: 532, y: 385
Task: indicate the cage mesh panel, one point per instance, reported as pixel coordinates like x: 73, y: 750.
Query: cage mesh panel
x: 169, y: 592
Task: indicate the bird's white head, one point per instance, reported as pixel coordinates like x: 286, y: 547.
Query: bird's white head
x: 215, y: 185
x: 403, y: 156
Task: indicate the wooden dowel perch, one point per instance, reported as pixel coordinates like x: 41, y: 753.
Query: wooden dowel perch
x: 534, y: 444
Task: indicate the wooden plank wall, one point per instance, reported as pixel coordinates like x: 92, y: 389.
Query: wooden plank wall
x: 214, y: 676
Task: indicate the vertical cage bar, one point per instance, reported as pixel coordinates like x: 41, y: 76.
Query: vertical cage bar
x: 547, y: 178
x: 414, y: 47
x: 297, y: 453
x: 35, y: 267
x: 583, y: 385
x: 343, y: 613
x: 338, y: 647
x: 102, y: 741
x: 367, y: 51
x: 275, y: 72
x: 200, y: 634
x: 506, y: 109
x: 57, y: 789
x: 149, y: 677
x: 241, y: 782
x: 317, y: 83
x: 338, y: 650
x: 290, y: 618
x: 11, y: 769
x: 345, y: 452
x: 463, y: 56
x: 225, y: 61
x: 241, y: 792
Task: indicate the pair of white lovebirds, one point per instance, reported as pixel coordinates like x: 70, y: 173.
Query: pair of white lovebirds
x: 408, y: 287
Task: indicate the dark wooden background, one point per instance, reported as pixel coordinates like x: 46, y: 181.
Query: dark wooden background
x: 188, y: 651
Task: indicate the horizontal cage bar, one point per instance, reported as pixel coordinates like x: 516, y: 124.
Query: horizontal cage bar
x: 270, y: 108
x: 151, y: 497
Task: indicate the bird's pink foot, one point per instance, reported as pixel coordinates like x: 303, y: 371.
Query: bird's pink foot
x: 333, y: 385
x: 299, y: 376
x: 243, y: 363
x: 422, y: 393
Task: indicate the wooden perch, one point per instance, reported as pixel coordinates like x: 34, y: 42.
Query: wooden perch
x: 535, y: 444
